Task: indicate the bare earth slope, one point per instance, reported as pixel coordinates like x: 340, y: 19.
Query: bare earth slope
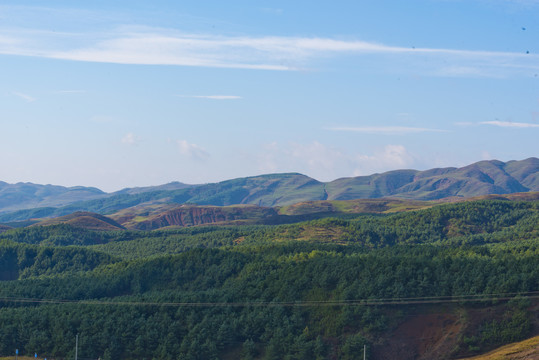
x: 156, y: 217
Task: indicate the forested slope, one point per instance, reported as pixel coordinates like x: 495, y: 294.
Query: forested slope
x: 318, y: 289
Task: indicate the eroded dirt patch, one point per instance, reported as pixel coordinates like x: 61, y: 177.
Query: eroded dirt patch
x: 422, y: 337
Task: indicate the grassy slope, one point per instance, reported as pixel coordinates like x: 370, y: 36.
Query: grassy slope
x: 485, y: 177
x: 85, y: 220
x: 27, y: 195
x: 524, y: 350
x: 481, y: 178
x: 265, y: 190
x: 154, y: 216
x: 373, y: 186
x: 357, y: 206
x: 525, y: 171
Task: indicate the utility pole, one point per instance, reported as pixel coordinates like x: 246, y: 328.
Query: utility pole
x: 364, y: 352
x: 76, y: 346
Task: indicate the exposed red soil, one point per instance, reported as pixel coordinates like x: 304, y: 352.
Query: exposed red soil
x: 195, y: 215
x: 422, y: 337
x: 436, y: 333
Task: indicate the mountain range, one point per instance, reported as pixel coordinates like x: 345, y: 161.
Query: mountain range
x: 24, y: 201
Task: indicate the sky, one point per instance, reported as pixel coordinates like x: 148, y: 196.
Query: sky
x: 116, y: 94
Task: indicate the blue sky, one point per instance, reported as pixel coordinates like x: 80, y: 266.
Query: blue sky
x: 118, y: 94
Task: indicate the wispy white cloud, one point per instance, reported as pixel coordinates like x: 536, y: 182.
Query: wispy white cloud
x: 212, y: 97
x: 192, y: 151
x: 485, y: 155
x: 316, y: 156
x: 389, y: 158
x: 25, y: 97
x: 130, y: 139
x: 328, y: 163
x: 510, y: 124
x: 385, y: 130
x: 157, y: 46
x: 315, y: 159
x: 7, y: 41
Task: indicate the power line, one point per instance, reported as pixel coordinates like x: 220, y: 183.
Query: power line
x: 357, y: 302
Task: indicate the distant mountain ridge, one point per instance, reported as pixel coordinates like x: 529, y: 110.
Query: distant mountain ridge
x: 27, y: 195
x: 480, y: 178
x: 20, y: 196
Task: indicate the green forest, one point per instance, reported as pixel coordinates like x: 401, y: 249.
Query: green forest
x: 319, y: 289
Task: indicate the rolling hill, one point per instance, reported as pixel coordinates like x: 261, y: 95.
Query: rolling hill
x: 446, y: 282
x: 27, y: 195
x: 86, y: 220
x: 481, y: 178
x: 157, y: 217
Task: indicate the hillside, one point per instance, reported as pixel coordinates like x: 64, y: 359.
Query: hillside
x: 27, y: 195
x: 523, y: 350
x: 86, y: 220
x: 176, y: 185
x: 444, y: 282
x: 481, y: 178
x: 156, y: 217
x: 44, y: 199
x: 357, y: 206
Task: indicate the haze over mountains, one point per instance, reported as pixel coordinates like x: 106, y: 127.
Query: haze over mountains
x: 25, y: 200
x: 408, y: 279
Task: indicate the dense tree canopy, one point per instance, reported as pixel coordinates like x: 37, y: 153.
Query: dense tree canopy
x: 301, y: 291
